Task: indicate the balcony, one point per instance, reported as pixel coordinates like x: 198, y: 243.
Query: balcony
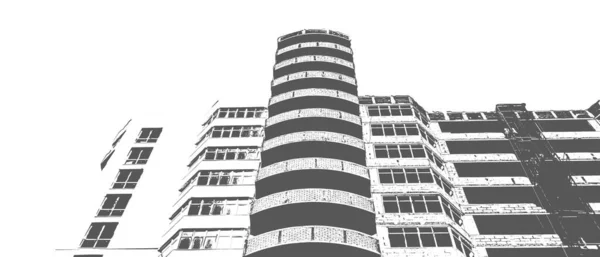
x: 312, y: 241
x: 313, y: 207
x: 207, y: 222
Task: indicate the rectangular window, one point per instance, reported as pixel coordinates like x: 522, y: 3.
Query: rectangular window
x: 231, y: 153
x: 256, y: 112
x: 99, y: 235
x: 421, y: 204
x: 434, y: 159
x: 565, y: 125
x: 148, y: 135
x: 211, y: 239
x: 413, y: 175
x: 394, y: 129
x: 365, y: 100
x: 235, y: 131
x: 390, y: 110
x: 479, y: 147
x: 513, y: 224
x: 203, y: 206
x: 490, y: 195
x: 138, y: 155
x: 399, y: 151
x: 490, y: 169
x: 428, y: 237
x: 472, y: 127
x: 114, y: 205
x: 127, y: 179
x: 576, y: 146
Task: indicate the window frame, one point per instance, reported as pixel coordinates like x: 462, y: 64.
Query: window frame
x: 138, y: 160
x: 99, y: 239
x: 128, y: 183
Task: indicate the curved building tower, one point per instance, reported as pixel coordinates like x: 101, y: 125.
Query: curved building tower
x: 313, y: 189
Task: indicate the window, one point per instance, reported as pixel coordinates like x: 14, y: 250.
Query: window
x: 383, y: 100
x: 99, y: 235
x: 399, y: 151
x: 428, y: 237
x: 211, y: 239
x: 114, y: 205
x: 488, y: 195
x: 413, y: 175
x: 139, y: 155
x: 545, y: 115
x: 200, y: 206
x: 479, y: 147
x: 229, y: 153
x: 236, y: 113
x: 421, y: 204
x: 472, y: 127
x: 565, y: 125
x: 148, y: 135
x: 427, y: 136
x: 434, y: 159
x: 365, y: 100
x: 236, y: 131
x: 390, y: 110
x: 127, y: 179
x: 455, y: 116
x: 576, y: 146
x: 474, y: 116
x: 394, y: 129
x: 490, y: 169
x: 513, y: 224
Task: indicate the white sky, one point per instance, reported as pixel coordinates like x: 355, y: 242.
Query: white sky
x: 72, y: 72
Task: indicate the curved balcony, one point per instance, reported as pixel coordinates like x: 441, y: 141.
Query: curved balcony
x: 313, y: 92
x: 307, y: 149
x: 306, y: 102
x: 312, y: 59
x: 313, y: 206
x: 313, y: 112
x: 313, y: 173
x: 313, y: 74
x: 310, y: 35
x: 313, y: 124
x: 320, y: 136
x: 314, y: 62
x: 314, y: 48
x: 313, y: 79
x: 313, y: 241
x: 325, y: 45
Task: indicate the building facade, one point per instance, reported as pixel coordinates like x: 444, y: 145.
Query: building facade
x: 322, y: 171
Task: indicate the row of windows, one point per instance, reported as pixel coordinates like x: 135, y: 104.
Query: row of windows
x: 429, y: 237
x: 99, y: 234
x: 434, y: 159
x: 221, y: 178
x: 237, y: 113
x: 233, y: 131
x: 219, y: 207
x: 413, y: 175
x: 227, y: 153
x: 212, y: 239
x: 421, y: 204
x: 114, y: 205
x: 406, y: 129
x: 390, y: 110
x: 399, y: 151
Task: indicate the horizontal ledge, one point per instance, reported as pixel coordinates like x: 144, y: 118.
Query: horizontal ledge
x: 314, y: 44
x: 313, y: 136
x: 314, y: 74
x: 314, y: 58
x: 313, y: 113
x: 314, y: 92
x: 313, y: 163
x: 312, y: 195
x: 312, y: 234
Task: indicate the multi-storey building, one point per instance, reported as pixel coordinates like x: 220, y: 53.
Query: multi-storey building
x: 322, y: 171
x: 131, y: 210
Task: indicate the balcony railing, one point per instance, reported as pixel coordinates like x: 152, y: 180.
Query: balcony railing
x: 312, y: 195
x: 312, y: 234
x: 313, y: 92
x: 313, y: 112
x: 313, y: 163
x: 314, y: 74
x: 320, y: 136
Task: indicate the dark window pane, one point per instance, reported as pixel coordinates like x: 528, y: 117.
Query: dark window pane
x: 419, y: 206
x: 427, y: 240
x: 397, y: 240
x: 443, y: 239
x: 412, y: 240
x: 385, y: 178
